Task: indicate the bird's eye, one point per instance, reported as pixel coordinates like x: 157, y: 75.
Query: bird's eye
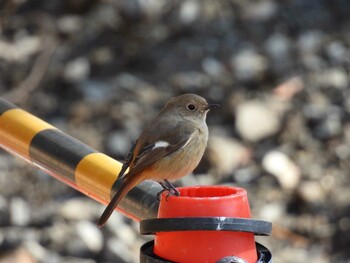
x: 191, y: 107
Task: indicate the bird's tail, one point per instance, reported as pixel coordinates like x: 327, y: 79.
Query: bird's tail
x: 126, y: 184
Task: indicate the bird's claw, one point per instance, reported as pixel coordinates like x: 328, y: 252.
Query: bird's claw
x: 167, y: 186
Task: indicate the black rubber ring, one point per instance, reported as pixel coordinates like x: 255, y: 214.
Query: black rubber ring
x: 258, y: 227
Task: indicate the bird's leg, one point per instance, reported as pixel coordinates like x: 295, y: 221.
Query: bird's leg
x: 172, y: 188
x: 167, y: 186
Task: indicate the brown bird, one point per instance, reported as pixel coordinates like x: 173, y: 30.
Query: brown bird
x: 170, y: 147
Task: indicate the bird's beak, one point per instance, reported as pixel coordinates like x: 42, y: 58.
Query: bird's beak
x: 211, y: 106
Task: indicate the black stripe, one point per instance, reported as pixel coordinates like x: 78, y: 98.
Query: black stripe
x: 5, y: 106
x: 58, y: 152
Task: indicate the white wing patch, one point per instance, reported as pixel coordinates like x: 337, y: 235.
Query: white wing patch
x: 189, y: 139
x: 160, y: 144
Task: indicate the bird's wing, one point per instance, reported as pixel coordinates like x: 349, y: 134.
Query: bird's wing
x: 151, y: 153
x: 127, y: 160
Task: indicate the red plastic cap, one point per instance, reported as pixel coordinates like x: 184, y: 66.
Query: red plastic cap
x: 205, y: 246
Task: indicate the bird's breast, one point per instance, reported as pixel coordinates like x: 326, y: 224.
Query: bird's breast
x: 184, y: 160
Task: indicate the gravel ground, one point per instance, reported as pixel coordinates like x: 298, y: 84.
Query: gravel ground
x: 99, y: 70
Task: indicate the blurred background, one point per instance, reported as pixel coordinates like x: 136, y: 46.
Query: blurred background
x: 99, y: 70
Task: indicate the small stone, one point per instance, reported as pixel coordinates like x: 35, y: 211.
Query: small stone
x: 283, y: 168
x: 20, y: 254
x: 213, y: 67
x: 337, y: 51
x: 38, y: 251
x: 278, y: 46
x: 21, y: 49
x: 311, y: 192
x: 272, y: 211
x: 310, y: 42
x: 249, y: 65
x: 260, y: 11
x: 77, y: 70
x: 78, y: 209
x: 91, y: 235
x: 118, y: 248
x: 94, y: 90
x: 69, y: 24
x: 288, y: 89
x: 256, y: 120
x: 226, y: 154
x: 189, y: 11
x: 124, y: 232
x: 118, y: 143
x: 19, y: 212
x: 334, y: 77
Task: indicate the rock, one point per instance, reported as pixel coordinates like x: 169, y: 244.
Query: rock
x: 18, y: 255
x: 118, y: 143
x: 119, y: 249
x: 259, y: 11
x: 91, y: 235
x: 248, y: 65
x: 77, y: 70
x: 213, y: 67
x: 289, y: 88
x: 39, y: 252
x: 79, y: 208
x: 189, y: 11
x: 337, y: 51
x: 19, y: 212
x: 69, y: 24
x: 278, y: 46
x: 311, y: 191
x: 283, y: 168
x: 310, y: 41
x: 120, y: 229
x: 192, y: 80
x: 226, y: 154
x: 21, y: 49
x: 92, y: 90
x: 330, y: 125
x: 333, y: 77
x: 272, y: 211
x: 256, y: 120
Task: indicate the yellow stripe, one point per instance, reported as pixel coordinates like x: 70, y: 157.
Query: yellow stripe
x: 96, y: 174
x: 17, y: 129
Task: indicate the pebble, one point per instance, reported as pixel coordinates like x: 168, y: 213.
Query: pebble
x: 272, y: 212
x: 119, y: 249
x: 77, y: 70
x: 259, y: 11
x: 118, y: 143
x: 249, y: 65
x: 311, y: 191
x: 189, y: 11
x: 310, y: 41
x: 333, y: 78
x: 226, y: 154
x: 337, y: 51
x: 283, y: 168
x: 20, y: 255
x: 19, y: 212
x: 79, y: 208
x: 91, y: 235
x: 21, y: 49
x: 69, y: 24
x: 213, y: 67
x: 256, y: 120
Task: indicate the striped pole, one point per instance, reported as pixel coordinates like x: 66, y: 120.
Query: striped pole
x: 72, y: 162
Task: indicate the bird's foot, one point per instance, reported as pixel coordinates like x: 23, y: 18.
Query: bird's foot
x: 170, y: 188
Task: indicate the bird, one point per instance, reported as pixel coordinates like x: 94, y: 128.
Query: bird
x: 170, y: 147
